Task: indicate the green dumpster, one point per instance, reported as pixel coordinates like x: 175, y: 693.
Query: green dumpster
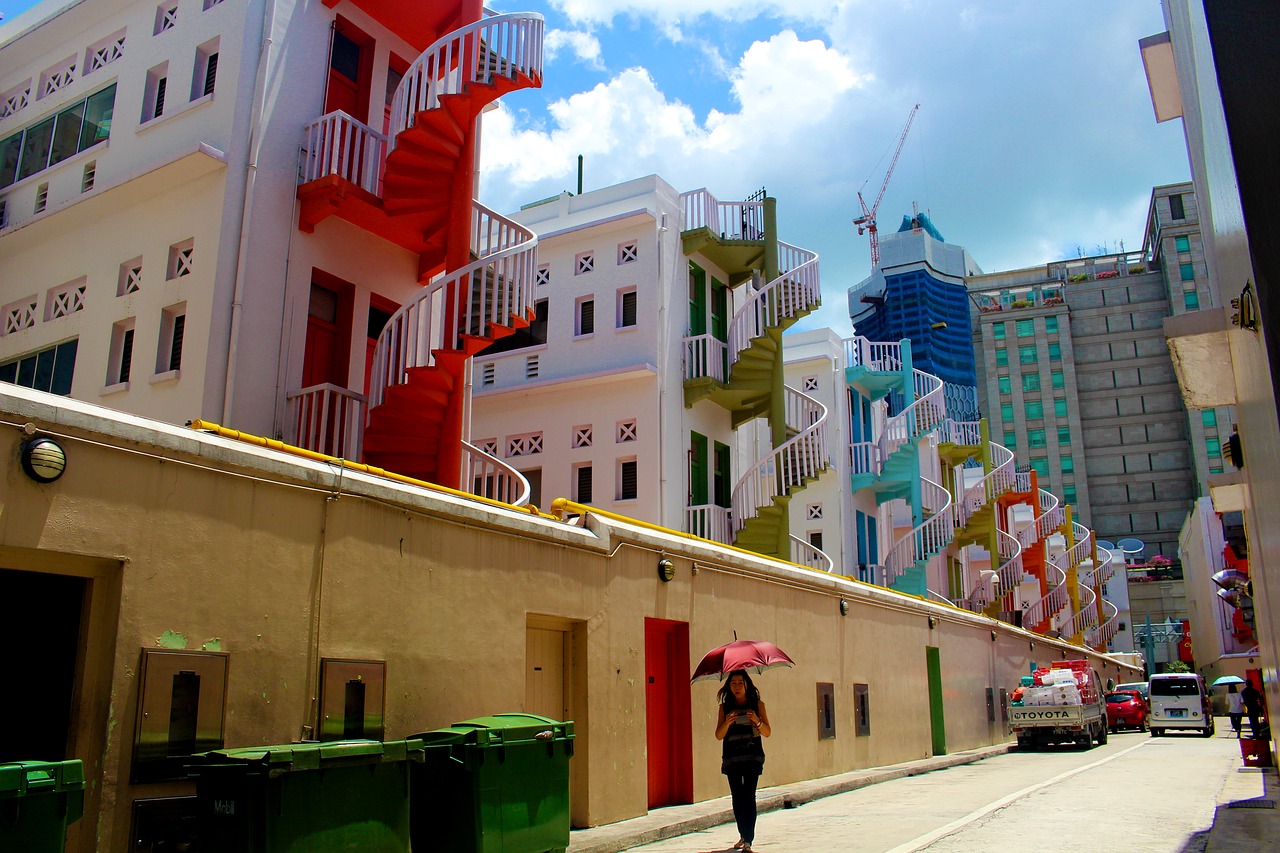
x: 38, y: 801
x: 495, y: 784
x: 314, y: 797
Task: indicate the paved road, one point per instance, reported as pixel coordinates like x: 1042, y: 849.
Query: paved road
x: 1146, y: 794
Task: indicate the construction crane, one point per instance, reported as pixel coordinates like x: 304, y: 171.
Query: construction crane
x: 867, y: 221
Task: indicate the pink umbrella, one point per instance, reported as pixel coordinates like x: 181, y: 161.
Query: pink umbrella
x: 740, y: 654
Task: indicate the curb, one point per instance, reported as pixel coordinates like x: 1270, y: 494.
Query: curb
x: 682, y: 820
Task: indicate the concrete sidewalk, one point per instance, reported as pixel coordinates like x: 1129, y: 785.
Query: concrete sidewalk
x: 1247, y: 820
x: 679, y: 820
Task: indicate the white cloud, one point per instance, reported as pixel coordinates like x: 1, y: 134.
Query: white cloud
x: 671, y: 12
x: 627, y: 127
x: 583, y: 45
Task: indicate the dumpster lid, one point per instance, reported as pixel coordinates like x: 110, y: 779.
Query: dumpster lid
x: 20, y: 778
x: 500, y: 728
x: 314, y: 756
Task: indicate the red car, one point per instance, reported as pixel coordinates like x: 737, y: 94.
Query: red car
x: 1126, y: 709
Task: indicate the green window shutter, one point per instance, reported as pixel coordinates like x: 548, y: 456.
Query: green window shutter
x: 697, y: 469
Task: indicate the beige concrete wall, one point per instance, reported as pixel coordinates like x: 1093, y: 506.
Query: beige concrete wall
x: 203, y: 542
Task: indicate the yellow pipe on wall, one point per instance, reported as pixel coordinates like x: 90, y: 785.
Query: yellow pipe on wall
x: 292, y: 450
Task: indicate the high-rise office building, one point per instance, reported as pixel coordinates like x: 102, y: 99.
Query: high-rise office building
x: 918, y: 293
x: 1075, y: 376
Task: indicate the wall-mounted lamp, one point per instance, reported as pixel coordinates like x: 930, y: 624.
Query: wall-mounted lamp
x: 666, y: 570
x: 1033, y: 646
x: 844, y: 607
x: 43, y: 459
x: 933, y: 622
x: 993, y: 636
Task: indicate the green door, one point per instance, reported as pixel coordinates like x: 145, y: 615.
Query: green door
x: 697, y: 301
x: 720, y: 321
x: 697, y: 469
x: 937, y: 722
x: 722, y: 481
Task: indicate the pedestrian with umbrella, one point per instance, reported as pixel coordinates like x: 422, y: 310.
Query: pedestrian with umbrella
x: 742, y: 722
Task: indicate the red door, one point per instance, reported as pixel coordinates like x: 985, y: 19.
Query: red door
x: 321, y: 423
x: 667, y: 712
x: 350, y: 69
x: 380, y: 311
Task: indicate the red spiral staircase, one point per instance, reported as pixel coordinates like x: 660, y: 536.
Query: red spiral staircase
x: 414, y: 187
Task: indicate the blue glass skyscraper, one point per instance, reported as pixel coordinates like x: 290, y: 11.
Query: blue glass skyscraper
x: 918, y: 293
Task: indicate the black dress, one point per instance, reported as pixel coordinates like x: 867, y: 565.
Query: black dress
x: 742, y: 750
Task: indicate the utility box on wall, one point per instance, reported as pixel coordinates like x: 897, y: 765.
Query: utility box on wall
x: 352, y: 699
x: 181, y: 711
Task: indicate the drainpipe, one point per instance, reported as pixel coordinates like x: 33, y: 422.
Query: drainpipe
x: 246, y: 213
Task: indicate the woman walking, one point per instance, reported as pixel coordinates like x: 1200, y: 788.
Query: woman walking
x: 1235, y: 708
x: 740, y: 724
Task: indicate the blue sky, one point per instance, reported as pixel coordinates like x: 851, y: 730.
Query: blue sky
x: 1035, y: 138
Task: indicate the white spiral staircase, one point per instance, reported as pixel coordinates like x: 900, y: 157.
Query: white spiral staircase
x: 906, y: 557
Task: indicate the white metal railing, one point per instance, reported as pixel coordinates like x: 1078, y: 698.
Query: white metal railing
x: 1022, y: 481
x: 732, y: 220
x: 1051, y: 515
x: 934, y: 595
x: 864, y: 457
x: 490, y: 477
x: 327, y: 419
x: 795, y: 290
x: 494, y: 46
x: 705, y: 355
x: 993, y: 484
x: 806, y: 554
x: 920, y: 417
x: 968, y: 433
x: 986, y: 588
x: 1010, y: 571
x: 802, y: 457
x: 872, y: 355
x: 491, y: 290
x: 1098, y: 637
x: 1048, y: 520
x: 928, y: 538
x: 1056, y: 599
x: 709, y: 522
x: 337, y: 144
x: 1077, y: 553
x: 1084, y: 618
x: 1057, y: 568
x: 1106, y: 570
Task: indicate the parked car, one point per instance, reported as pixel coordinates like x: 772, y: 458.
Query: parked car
x: 1179, y: 701
x: 1141, y: 686
x: 1126, y: 709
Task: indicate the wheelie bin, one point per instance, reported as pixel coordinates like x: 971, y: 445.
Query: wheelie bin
x: 38, y: 801
x: 496, y: 784
x: 313, y: 797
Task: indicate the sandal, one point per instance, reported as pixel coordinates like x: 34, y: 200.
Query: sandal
x: 738, y: 845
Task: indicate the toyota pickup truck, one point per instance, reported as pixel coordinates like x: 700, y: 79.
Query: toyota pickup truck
x: 1081, y: 721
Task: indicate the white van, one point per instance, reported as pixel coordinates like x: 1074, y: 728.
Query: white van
x: 1179, y: 700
